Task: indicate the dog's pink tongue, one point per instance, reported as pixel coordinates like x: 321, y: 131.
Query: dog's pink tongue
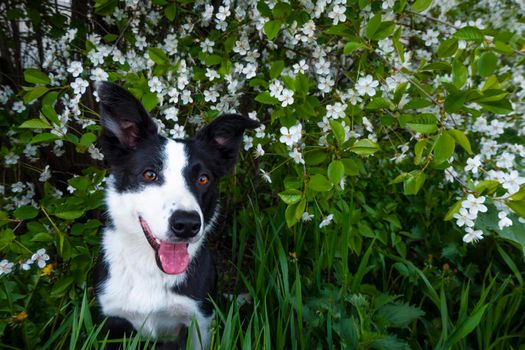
x: 173, y: 257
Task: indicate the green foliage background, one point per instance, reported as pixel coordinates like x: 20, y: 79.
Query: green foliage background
x: 379, y: 265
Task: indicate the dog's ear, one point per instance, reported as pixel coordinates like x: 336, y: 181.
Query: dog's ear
x: 125, y: 123
x: 224, y: 136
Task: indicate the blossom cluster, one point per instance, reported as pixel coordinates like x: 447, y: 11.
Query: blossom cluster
x: 192, y: 81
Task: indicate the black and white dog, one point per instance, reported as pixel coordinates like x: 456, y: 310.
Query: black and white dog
x: 154, y: 273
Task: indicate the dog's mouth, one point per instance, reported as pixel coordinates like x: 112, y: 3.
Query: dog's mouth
x: 172, y: 258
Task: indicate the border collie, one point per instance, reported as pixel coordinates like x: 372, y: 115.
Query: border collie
x: 154, y: 273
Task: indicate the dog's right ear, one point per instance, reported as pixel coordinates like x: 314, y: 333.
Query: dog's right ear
x: 125, y: 122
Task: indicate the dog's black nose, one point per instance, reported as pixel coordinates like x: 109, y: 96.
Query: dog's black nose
x: 185, y: 224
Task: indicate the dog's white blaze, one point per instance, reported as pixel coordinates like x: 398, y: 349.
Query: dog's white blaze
x: 136, y: 289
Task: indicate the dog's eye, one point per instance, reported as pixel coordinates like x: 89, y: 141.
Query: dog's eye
x: 149, y: 175
x: 203, y: 180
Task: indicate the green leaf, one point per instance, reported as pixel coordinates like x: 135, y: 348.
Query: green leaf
x: 400, y: 315
x: 459, y: 73
x: 35, y: 76
x: 499, y: 107
x: 352, y: 46
x: 378, y: 103
x: 469, y: 34
x: 44, y: 137
x: 336, y: 171
x: 289, y: 215
x: 212, y: 60
x: 291, y: 196
x: 443, y: 148
x: 364, y: 147
x: 518, y: 206
x: 423, y: 124
x: 339, y: 131
x: 49, y: 112
x: 465, y: 327
x: 352, y: 166
x: 418, y: 150
x: 487, y: 186
x: 385, y: 30
x: 461, y: 139
x: 413, y: 183
x: 25, y: 212
x: 87, y: 139
x: 149, y: 101
x: 170, y: 11
x: 421, y: 5
x: 158, y: 56
x: 70, y: 214
x: 487, y: 64
x: 276, y: 69
x: 454, y: 102
x: 61, y: 286
x: 372, y: 26
x: 105, y: 7
x: 35, y: 124
x: 319, y: 183
x: 271, y: 29
x: 34, y: 93
x: 447, y: 47
x: 267, y: 99
x: 454, y: 209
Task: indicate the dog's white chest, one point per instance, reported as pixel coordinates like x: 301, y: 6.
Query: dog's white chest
x: 137, y: 291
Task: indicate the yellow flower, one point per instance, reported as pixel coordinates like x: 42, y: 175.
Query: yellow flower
x: 21, y: 317
x: 47, y: 270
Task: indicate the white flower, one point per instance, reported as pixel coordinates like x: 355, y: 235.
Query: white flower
x: 300, y: 67
x: 325, y: 84
x: 430, y: 37
x: 248, y: 142
x: 5, y: 267
x: 79, y: 86
x: 19, y: 107
x: 45, y: 174
x: 208, y: 13
x: 155, y: 85
x: 212, y: 74
x: 506, y: 160
x: 473, y: 164
x: 178, y: 131
x: 224, y: 11
x: 211, y: 95
x: 336, y: 111
x: 504, y: 221
x: 11, y: 159
x: 140, y: 43
x: 297, y: 156
x: 26, y: 265
x: 472, y: 236
x: 512, y: 181
x: 326, y: 221
x: 95, y: 153
x: 307, y: 217
x: 186, y: 97
x: 98, y: 74
x: 75, y: 68
x: 40, y: 257
x: 266, y: 176
x: 337, y: 14
x: 259, y: 151
x: 286, y: 97
x: 276, y: 89
x: 366, y: 86
x: 207, y: 45
x: 292, y: 135
x: 464, y: 217
x: 171, y: 113
x: 388, y: 4
x: 474, y: 204
x: 250, y: 70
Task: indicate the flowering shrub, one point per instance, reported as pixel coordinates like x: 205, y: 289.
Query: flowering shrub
x: 384, y: 123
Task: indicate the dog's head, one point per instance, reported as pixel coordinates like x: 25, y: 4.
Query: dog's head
x: 163, y: 191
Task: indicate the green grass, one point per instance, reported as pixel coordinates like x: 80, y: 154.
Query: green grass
x: 308, y: 292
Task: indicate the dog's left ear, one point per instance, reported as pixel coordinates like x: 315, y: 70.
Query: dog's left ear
x: 224, y: 135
